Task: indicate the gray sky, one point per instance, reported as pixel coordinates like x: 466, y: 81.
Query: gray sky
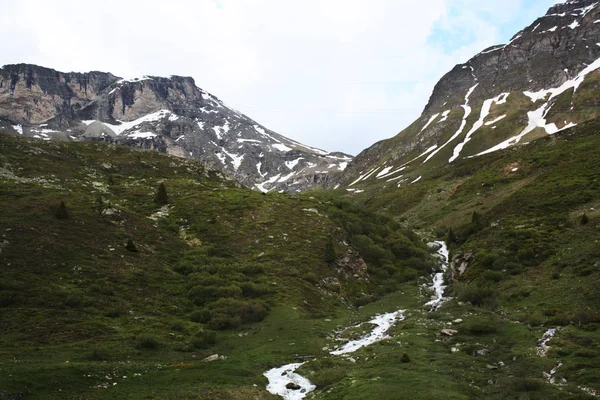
x: 334, y: 74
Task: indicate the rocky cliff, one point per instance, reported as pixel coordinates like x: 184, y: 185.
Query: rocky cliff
x: 544, y: 80
x: 170, y: 115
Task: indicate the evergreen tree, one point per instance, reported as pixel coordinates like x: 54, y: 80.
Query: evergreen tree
x: 476, y: 220
x: 161, y: 197
x: 130, y: 246
x: 330, y: 250
x: 451, y: 239
x: 99, y: 207
x: 61, y: 211
x: 584, y: 219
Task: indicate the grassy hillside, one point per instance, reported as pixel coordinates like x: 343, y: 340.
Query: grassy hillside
x: 109, y: 289
x: 525, y: 224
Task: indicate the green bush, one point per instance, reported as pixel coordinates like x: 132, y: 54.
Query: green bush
x: 405, y: 358
x: 527, y: 385
x: 7, y: 298
x: 370, y: 251
x: 113, y: 313
x: 200, y: 316
x: 230, y: 313
x: 204, y: 339
x: 309, y: 277
x: 219, y: 321
x: 201, y: 295
x: 329, y: 253
x: 584, y: 219
x: 474, y: 293
x: 98, y: 354
x: 146, y: 342
x: 364, y: 300
x: 481, y: 327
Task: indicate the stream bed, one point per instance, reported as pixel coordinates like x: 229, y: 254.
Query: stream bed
x: 285, y: 382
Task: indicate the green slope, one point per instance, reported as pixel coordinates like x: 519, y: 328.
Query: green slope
x: 124, y: 296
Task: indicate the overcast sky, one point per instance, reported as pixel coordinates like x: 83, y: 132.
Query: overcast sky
x: 334, y: 74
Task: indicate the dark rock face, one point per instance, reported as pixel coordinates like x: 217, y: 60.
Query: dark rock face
x: 545, y: 54
x: 165, y: 114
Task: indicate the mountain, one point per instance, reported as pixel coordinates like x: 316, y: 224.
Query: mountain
x: 170, y: 115
x: 543, y: 81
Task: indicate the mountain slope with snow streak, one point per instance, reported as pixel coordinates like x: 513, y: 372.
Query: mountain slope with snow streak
x: 546, y: 79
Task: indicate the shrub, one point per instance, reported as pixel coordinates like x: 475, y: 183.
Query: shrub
x: 476, y: 220
x: 231, y: 313
x: 330, y: 255
x: 527, y: 385
x: 204, y: 339
x: 451, y: 238
x: 223, y: 321
x: 200, y: 316
x: 473, y: 293
x: 161, y: 198
x: 253, y: 269
x: 201, y: 295
x: 74, y: 300
x: 130, y: 246
x: 492, y: 276
x: 405, y: 358
x: 310, y: 277
x: 146, y: 342
x: 584, y: 219
x: 113, y: 313
x: 364, y: 300
x: 7, y: 298
x: 99, y: 354
x: 481, y: 327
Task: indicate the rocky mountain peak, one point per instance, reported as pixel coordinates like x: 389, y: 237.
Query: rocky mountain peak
x: 171, y: 115
x: 572, y: 6
x: 543, y: 81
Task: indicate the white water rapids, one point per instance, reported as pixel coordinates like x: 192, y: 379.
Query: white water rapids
x: 283, y: 381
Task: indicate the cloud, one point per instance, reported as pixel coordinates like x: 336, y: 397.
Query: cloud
x: 336, y: 74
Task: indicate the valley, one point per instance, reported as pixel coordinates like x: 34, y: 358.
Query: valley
x: 156, y: 243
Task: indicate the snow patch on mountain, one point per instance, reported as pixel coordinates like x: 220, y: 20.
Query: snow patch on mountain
x: 485, y: 111
x: 467, y: 109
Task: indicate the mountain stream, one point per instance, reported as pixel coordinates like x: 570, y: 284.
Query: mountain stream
x: 285, y: 382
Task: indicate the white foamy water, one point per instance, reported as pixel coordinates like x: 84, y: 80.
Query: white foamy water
x: 279, y: 379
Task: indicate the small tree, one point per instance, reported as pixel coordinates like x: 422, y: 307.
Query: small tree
x: 61, y: 211
x: 584, y: 219
x: 451, y: 239
x: 161, y: 197
x: 476, y: 220
x: 99, y: 206
x: 130, y: 246
x: 330, y: 250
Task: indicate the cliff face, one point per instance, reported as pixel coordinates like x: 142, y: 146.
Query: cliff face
x: 166, y: 114
x: 544, y: 80
x: 34, y: 95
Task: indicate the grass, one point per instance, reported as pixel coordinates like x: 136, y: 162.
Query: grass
x: 218, y: 270
x: 263, y: 279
